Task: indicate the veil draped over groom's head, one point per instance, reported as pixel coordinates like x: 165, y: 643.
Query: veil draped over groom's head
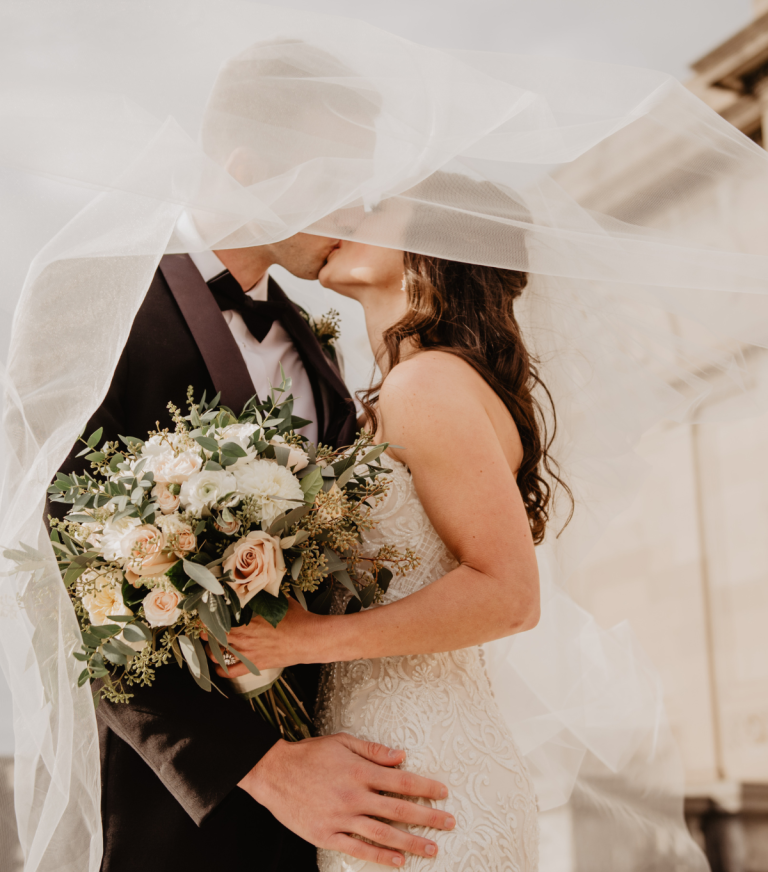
x: 333, y: 127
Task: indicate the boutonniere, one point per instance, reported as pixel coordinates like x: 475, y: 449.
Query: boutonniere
x: 327, y: 329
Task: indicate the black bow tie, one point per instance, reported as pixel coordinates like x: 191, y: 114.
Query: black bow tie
x: 259, y: 315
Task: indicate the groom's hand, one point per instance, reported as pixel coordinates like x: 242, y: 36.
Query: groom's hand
x: 328, y: 790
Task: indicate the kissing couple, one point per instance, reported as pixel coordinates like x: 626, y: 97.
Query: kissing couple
x: 413, y: 764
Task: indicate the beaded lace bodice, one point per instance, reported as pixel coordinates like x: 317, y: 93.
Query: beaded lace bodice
x: 440, y: 709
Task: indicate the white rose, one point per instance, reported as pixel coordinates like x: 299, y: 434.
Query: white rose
x: 112, y: 537
x: 275, y: 487
x: 105, y: 600
x: 161, y: 607
x: 205, y: 489
x: 297, y: 459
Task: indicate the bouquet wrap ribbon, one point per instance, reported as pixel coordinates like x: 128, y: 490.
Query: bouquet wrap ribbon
x: 250, y: 685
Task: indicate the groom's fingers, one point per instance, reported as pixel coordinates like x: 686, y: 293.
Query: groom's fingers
x: 364, y: 851
x: 406, y: 783
x: 383, y: 834
x: 372, y: 751
x: 402, y: 811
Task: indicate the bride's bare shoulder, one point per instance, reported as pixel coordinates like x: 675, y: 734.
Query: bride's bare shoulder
x: 431, y: 374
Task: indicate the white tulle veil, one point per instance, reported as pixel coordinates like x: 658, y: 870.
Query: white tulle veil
x: 134, y: 128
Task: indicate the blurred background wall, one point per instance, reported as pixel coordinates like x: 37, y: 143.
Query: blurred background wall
x: 687, y: 563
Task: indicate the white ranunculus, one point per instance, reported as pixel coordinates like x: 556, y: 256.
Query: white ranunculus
x: 275, y: 487
x: 112, y: 537
x: 205, y: 489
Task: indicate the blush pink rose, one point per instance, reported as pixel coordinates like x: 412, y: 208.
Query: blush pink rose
x: 256, y: 563
x: 168, y: 502
x: 161, y: 607
x: 229, y: 528
x: 143, y: 551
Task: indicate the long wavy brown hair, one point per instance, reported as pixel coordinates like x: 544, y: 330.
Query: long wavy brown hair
x: 468, y: 311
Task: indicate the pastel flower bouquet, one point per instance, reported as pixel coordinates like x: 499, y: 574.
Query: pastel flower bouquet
x: 202, y: 529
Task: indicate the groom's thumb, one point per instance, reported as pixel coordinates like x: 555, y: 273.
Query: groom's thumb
x: 373, y: 751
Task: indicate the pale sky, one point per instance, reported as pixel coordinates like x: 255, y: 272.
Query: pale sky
x: 664, y: 34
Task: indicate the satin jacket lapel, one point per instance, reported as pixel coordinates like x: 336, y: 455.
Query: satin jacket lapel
x: 222, y: 357
x: 316, y: 363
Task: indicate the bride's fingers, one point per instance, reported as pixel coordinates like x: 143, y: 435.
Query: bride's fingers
x: 402, y: 811
x: 384, y: 834
x: 364, y: 851
x: 236, y: 670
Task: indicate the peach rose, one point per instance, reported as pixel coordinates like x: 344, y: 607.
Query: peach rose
x: 167, y: 501
x: 142, y: 549
x: 161, y: 607
x: 256, y: 563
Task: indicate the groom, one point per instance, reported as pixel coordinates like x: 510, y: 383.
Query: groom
x: 194, y: 780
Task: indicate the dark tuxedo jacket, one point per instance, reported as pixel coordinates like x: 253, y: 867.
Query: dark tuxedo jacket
x: 171, y: 758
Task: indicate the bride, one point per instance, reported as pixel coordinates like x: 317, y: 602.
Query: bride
x: 470, y: 497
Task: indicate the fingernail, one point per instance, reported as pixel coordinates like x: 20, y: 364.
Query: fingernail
x: 393, y: 753
x: 450, y: 823
x: 397, y: 861
x: 444, y: 793
x: 431, y: 850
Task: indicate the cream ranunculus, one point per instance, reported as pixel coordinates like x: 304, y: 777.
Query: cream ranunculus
x: 167, y: 502
x: 161, y: 607
x: 105, y: 600
x: 143, y: 550
x: 205, y: 489
x: 274, y: 486
x: 256, y: 563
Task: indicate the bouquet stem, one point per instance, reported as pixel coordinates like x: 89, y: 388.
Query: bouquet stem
x: 272, y: 696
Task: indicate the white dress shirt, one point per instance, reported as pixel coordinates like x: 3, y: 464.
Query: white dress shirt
x: 263, y: 359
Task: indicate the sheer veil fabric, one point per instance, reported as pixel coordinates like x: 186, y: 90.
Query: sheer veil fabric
x: 132, y: 129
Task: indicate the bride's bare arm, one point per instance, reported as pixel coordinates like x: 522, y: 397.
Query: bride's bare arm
x: 461, y: 470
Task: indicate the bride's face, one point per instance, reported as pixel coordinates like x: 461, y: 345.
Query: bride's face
x: 356, y: 270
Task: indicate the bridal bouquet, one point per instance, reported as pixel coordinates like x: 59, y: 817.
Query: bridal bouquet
x: 198, y: 530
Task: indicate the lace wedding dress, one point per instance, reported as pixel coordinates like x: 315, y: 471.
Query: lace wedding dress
x: 440, y: 709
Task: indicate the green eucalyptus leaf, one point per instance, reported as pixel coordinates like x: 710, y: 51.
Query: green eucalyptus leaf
x: 311, y: 485
x: 207, y: 443
x: 271, y: 608
x: 299, y: 594
x: 204, y: 577
x: 137, y: 632
x: 296, y: 567
x: 233, y: 449
x: 343, y: 576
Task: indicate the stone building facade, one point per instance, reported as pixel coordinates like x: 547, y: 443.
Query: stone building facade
x: 688, y: 562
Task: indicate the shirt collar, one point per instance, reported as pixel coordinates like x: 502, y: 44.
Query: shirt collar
x: 209, y: 266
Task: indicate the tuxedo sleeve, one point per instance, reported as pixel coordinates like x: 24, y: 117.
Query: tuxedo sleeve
x: 200, y: 744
